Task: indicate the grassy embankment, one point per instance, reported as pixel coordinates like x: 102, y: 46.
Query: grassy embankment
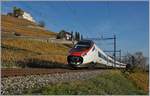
x: 113, y: 82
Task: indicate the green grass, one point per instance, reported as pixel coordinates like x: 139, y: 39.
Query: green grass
x: 112, y: 83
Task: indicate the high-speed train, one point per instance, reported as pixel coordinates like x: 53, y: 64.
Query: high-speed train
x: 85, y: 53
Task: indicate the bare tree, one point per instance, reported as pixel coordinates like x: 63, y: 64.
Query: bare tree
x: 140, y: 60
x: 136, y: 60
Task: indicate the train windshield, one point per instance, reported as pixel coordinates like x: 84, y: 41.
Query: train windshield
x: 81, y: 46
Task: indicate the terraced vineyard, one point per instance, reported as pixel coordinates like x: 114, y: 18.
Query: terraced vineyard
x: 17, y: 52
x: 24, y: 52
x: 11, y: 25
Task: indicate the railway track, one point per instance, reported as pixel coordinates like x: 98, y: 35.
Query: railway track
x: 12, y: 72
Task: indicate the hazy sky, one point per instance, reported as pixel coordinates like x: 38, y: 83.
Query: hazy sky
x: 128, y: 20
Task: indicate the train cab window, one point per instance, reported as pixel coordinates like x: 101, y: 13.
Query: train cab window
x: 79, y: 47
x: 99, y: 54
x: 93, y: 48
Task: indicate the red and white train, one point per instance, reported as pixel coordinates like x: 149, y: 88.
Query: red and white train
x: 86, y: 54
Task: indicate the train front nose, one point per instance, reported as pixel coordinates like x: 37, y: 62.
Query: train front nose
x: 75, y: 60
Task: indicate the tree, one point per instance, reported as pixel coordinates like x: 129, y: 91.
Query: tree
x: 81, y: 37
x: 17, y: 12
x: 140, y: 60
x: 76, y: 36
x: 41, y: 24
x: 72, y: 37
x: 136, y: 60
x: 9, y: 14
x: 61, y: 34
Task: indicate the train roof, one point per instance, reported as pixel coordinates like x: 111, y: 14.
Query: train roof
x: 89, y: 42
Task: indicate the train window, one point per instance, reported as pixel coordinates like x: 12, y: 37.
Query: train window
x: 102, y: 56
x: 117, y: 64
x: 99, y: 54
x: 110, y: 61
x: 93, y: 49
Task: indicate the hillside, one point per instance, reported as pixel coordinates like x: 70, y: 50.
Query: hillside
x: 11, y: 25
x: 24, y: 52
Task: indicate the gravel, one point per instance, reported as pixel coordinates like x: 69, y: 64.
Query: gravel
x: 18, y: 85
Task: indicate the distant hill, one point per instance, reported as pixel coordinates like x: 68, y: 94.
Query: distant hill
x: 11, y: 26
